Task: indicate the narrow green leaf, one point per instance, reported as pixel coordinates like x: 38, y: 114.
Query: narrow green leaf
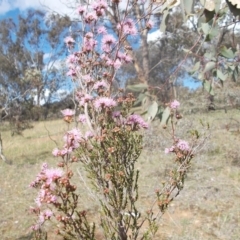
x: 221, y: 75
x: 137, y: 87
x: 195, y: 67
x: 235, y: 74
x: 209, y: 66
x: 213, y: 32
x: 208, y: 87
x: 152, y: 111
x: 139, y: 99
x: 145, y: 103
x: 164, y: 20
x: 226, y: 52
x: 165, y: 116
x: 188, y: 5
x: 206, y: 28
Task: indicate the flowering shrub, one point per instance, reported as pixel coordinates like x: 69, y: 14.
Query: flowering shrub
x: 107, y: 145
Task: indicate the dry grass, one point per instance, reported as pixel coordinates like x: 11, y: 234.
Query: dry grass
x: 208, y: 207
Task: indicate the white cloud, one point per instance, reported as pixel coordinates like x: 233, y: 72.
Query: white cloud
x: 59, y: 6
x: 4, y: 7
x: 154, y: 36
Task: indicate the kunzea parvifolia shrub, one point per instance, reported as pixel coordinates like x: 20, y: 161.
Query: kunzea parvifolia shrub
x: 106, y: 142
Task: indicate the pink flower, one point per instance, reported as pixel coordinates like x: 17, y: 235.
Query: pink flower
x: 128, y: 27
x: 81, y: 10
x: 100, y: 6
x: 174, y: 105
x: 69, y: 41
x: 102, y: 30
x: 90, y: 17
x: 56, y: 152
x: 183, y: 145
x: 109, y: 61
x: 87, y: 78
x: 100, y: 84
x: 89, y: 134
x: 53, y: 174
x: 35, y: 227
x: 72, y: 73
x: 82, y: 118
x: 107, y: 42
x: 68, y: 112
x: 117, y: 64
x: 124, y: 57
x: 44, y: 167
x: 89, y: 35
x: 168, y: 150
x: 73, y: 138
x: 89, y: 42
x: 71, y: 59
x: 116, y: 114
x: 149, y: 24
x: 84, y: 99
x: 136, y: 121
x: 104, y: 102
x: 64, y: 152
x: 53, y: 199
x: 47, y: 214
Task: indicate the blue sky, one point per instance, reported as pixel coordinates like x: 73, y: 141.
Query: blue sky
x: 11, y: 9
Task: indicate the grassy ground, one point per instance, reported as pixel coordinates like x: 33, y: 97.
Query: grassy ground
x: 207, y: 208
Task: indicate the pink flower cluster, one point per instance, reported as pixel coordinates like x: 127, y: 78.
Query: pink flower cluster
x: 175, y: 104
x: 43, y: 216
x: 104, y: 102
x: 136, y: 121
x: 102, y: 30
x: 128, y: 27
x: 82, y: 118
x: 100, y: 84
x: 149, y: 24
x: 72, y: 139
x: 181, y: 145
x: 47, y: 180
x: 108, y: 42
x: 124, y: 57
x: 89, y: 42
x: 111, y: 63
x: 83, y: 98
x: 68, y: 112
x: 69, y: 41
x: 98, y: 9
x: 90, y: 17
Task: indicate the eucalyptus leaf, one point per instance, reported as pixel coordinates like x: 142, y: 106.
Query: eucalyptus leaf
x: 164, y: 20
x: 145, y: 103
x: 195, y: 67
x: 188, y: 6
x: 139, y: 99
x: 165, y: 116
x: 137, y: 87
x: 213, y: 32
x: 235, y: 74
x: 152, y: 111
x: 209, y: 66
x: 206, y: 28
x: 226, y: 52
x: 221, y: 76
x: 208, y: 87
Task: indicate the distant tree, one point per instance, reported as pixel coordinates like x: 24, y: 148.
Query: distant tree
x: 30, y: 49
